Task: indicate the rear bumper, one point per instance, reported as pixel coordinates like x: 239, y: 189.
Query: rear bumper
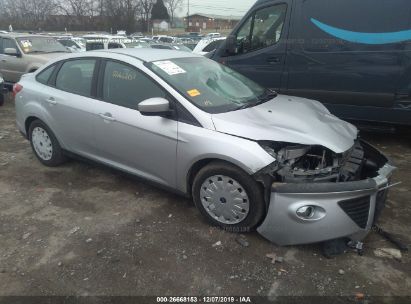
x: 342, y: 209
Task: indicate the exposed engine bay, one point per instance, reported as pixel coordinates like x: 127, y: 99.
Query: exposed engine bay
x: 309, y: 164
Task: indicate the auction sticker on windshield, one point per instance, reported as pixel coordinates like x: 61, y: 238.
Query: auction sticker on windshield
x: 169, y: 67
x: 194, y: 93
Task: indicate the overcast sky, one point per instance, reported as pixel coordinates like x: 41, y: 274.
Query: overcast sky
x: 217, y: 7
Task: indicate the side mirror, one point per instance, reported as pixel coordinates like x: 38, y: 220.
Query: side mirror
x: 231, y: 44
x: 154, y: 107
x: 11, y: 52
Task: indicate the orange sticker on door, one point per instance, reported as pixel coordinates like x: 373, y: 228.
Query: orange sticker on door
x: 194, y: 93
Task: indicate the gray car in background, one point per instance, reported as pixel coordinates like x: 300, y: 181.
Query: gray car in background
x: 249, y: 158
x: 25, y: 53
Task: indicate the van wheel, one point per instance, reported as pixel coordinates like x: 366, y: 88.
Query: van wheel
x: 228, y: 197
x: 45, y: 145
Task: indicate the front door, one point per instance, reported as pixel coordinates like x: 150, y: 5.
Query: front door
x: 261, y: 44
x: 142, y: 145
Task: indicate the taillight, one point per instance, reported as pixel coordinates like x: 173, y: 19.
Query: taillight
x: 17, y: 88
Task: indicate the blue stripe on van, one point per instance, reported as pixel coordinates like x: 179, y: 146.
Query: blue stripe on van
x: 366, y: 38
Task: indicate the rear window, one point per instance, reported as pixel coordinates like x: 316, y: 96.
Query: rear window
x: 340, y: 26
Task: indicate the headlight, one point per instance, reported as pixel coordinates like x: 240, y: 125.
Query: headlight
x: 284, y: 151
x: 270, y: 150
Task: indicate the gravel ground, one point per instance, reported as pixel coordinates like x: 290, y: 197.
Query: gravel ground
x: 82, y: 229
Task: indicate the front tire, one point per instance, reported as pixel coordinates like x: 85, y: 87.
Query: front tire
x: 45, y: 145
x: 228, y: 197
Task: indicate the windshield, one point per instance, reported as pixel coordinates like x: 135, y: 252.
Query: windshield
x: 209, y: 85
x: 31, y: 45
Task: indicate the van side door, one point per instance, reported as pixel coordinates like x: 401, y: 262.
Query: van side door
x: 261, y: 44
x: 347, y: 56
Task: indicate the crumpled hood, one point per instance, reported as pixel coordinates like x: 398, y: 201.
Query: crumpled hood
x: 289, y: 119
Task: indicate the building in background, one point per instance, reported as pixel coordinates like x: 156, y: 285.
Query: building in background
x: 204, y: 22
x: 161, y: 25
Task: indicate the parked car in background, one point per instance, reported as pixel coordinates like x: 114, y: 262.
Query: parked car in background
x: 106, y: 44
x: 213, y: 35
x: 353, y: 56
x: 248, y: 157
x: 137, y: 35
x: 175, y: 47
x: 208, y: 45
x: 72, y: 45
x: 190, y: 45
x: 24, y: 53
x: 167, y: 39
x: 137, y: 44
x: 1, y: 90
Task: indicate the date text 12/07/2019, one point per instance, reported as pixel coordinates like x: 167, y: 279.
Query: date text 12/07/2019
x: 206, y: 299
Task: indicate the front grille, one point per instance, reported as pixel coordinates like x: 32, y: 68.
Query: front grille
x: 357, y: 209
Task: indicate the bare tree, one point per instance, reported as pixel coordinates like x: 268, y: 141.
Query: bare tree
x: 146, y: 7
x: 122, y: 13
x: 27, y: 14
x: 172, y: 6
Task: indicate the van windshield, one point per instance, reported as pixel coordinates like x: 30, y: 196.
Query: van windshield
x: 209, y: 85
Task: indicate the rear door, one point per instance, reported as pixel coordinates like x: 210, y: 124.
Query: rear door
x: 69, y: 102
x: 348, y: 54
x: 262, y: 44
x: 142, y: 145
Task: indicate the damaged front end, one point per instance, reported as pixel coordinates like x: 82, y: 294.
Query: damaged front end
x: 317, y: 195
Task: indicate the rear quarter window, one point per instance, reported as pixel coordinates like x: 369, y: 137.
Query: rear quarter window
x: 365, y: 16
x: 44, y: 76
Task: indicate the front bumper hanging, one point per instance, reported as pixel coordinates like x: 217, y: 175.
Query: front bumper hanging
x: 346, y: 209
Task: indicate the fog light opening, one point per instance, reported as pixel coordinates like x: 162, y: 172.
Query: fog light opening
x: 306, y: 212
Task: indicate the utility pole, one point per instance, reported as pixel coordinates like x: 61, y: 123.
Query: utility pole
x: 188, y: 15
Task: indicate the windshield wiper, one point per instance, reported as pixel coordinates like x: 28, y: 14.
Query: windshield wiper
x: 266, y: 96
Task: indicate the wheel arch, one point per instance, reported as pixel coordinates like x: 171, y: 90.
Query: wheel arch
x: 29, y: 120
x: 201, y: 163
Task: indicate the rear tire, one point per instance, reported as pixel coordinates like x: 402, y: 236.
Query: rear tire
x: 228, y: 197
x: 45, y: 144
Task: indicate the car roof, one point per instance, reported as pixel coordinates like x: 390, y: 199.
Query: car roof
x: 149, y: 55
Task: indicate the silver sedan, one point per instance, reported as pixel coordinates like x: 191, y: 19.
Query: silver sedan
x: 249, y: 158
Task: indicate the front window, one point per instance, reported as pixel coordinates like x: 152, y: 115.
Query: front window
x: 262, y: 29
x: 209, y: 85
x: 31, y: 45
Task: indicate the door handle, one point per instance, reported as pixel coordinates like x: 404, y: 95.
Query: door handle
x: 273, y: 60
x: 51, y: 101
x: 107, y: 116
